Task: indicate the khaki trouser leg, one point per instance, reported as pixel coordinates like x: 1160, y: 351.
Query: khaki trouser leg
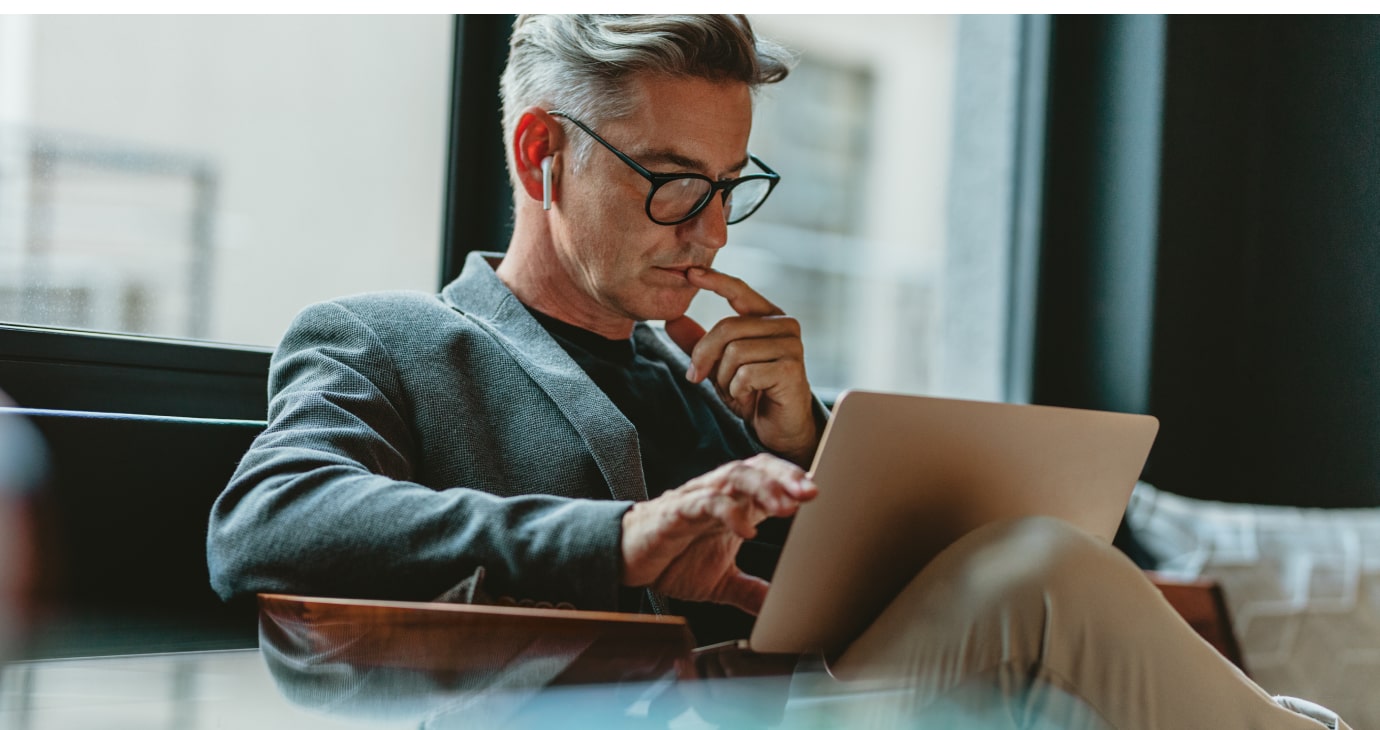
x: 1032, y: 623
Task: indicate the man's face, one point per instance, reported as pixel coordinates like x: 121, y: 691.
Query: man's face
x: 620, y: 261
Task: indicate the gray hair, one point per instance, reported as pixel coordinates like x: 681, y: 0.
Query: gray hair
x: 582, y: 64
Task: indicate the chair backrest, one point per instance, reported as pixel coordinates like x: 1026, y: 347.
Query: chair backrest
x: 122, y: 534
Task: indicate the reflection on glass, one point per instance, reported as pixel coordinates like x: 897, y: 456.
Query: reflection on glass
x: 448, y: 666
x: 395, y: 665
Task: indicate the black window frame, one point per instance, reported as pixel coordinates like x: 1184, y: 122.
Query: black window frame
x: 54, y: 368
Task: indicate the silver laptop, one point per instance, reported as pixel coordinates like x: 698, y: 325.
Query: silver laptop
x: 902, y: 477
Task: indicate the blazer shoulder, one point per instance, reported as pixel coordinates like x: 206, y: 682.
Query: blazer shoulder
x: 385, y: 311
x: 392, y: 303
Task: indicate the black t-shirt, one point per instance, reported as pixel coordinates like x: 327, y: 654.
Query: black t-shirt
x: 679, y: 440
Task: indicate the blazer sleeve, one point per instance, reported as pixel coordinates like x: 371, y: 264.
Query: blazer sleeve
x: 324, y: 503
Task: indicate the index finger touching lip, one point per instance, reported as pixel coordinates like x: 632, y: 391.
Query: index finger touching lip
x: 743, y: 298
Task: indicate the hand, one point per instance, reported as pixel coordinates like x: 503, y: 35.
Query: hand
x: 756, y: 362
x: 683, y: 543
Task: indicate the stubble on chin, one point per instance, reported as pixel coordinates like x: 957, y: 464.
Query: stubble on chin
x: 678, y: 306
x: 660, y: 303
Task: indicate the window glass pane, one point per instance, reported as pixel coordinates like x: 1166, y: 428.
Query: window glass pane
x: 889, y: 235
x: 206, y: 177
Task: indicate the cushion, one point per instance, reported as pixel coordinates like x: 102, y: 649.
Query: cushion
x: 1302, y: 586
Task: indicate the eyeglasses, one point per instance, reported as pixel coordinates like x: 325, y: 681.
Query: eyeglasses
x: 679, y: 197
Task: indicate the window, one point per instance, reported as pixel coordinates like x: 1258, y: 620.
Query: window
x: 889, y: 236
x: 206, y: 177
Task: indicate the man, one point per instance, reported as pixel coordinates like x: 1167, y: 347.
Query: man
x: 527, y: 430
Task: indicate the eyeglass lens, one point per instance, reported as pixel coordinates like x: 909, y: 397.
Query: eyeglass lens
x: 674, y: 200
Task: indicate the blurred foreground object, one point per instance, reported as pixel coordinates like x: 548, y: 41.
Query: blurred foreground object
x: 22, y: 466
x: 120, y: 526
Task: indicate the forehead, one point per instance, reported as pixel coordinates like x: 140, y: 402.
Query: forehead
x: 697, y: 119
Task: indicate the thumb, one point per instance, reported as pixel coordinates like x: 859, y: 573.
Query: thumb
x: 743, y: 591
x: 685, y: 332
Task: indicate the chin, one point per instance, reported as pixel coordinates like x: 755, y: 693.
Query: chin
x: 665, y: 307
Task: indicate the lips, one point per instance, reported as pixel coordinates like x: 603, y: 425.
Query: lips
x: 679, y: 270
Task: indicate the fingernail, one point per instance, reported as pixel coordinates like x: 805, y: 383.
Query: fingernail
x: 690, y: 373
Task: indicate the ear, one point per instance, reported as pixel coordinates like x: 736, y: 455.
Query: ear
x: 537, y: 136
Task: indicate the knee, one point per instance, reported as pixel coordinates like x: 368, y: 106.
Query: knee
x: 996, y: 597
x: 1038, y: 559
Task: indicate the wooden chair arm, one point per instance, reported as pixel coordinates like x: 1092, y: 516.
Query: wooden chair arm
x: 581, y: 647
x: 1203, y: 605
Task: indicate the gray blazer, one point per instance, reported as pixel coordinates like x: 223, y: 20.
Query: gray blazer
x: 413, y: 438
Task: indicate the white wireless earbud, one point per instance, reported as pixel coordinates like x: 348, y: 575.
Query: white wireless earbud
x: 546, y: 183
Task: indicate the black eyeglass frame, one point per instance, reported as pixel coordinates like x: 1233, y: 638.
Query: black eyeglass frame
x: 723, y: 187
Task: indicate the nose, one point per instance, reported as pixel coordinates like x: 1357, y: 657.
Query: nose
x: 708, y: 228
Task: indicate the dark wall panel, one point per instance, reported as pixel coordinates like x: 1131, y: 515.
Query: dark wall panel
x: 1266, y: 366
x: 479, y: 206
x: 1093, y: 326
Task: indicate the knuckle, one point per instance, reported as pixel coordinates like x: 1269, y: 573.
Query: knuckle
x: 733, y: 351
x: 729, y: 327
x: 735, y: 469
x: 710, y: 344
x: 748, y: 374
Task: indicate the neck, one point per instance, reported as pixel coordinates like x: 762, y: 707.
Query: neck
x: 538, y: 278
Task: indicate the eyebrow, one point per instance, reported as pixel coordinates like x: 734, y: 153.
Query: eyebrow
x: 650, y: 158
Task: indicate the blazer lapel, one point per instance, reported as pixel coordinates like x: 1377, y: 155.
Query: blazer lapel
x: 479, y: 294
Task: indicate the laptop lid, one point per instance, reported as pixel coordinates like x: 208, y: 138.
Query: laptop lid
x: 901, y: 477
